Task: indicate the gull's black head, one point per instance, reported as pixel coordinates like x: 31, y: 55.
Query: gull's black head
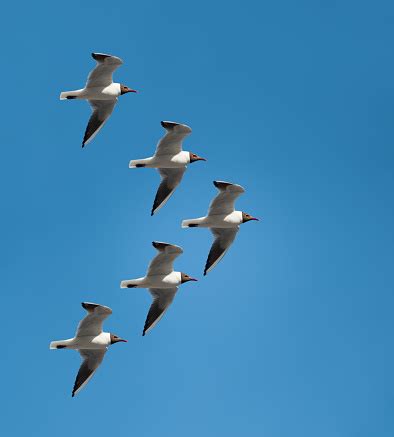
x: 116, y: 339
x: 194, y: 157
x: 247, y: 217
x: 125, y: 89
x: 186, y: 278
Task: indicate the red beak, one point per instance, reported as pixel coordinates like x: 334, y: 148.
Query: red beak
x: 254, y: 218
x: 201, y: 159
x: 122, y: 340
x: 130, y: 90
x: 193, y: 279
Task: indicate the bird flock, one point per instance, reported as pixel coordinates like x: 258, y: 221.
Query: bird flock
x: 160, y: 279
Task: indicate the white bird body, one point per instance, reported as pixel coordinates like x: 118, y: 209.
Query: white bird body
x: 101, y: 93
x: 171, y: 280
x: 110, y: 92
x: 232, y: 220
x: 90, y: 341
x: 178, y: 160
x: 222, y: 220
x: 170, y: 161
x: 101, y: 341
x: 161, y: 280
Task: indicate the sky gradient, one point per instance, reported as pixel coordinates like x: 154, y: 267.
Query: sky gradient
x: 291, y: 334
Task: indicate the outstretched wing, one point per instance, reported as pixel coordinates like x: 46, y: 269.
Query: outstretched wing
x: 101, y: 75
x: 92, y: 359
x: 162, y: 299
x: 170, y: 179
x: 162, y: 264
x: 223, y: 203
x: 223, y: 240
x: 171, y: 143
x: 102, y: 109
x: 92, y: 324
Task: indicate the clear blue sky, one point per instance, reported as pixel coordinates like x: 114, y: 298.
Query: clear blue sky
x: 291, y: 334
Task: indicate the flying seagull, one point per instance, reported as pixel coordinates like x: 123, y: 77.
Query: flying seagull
x: 90, y: 341
x: 170, y: 161
x: 101, y: 93
x: 161, y: 280
x: 223, y: 221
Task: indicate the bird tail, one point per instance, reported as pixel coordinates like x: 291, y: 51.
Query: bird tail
x: 130, y: 283
x: 61, y: 344
x: 192, y: 223
x: 69, y: 94
x: 137, y: 163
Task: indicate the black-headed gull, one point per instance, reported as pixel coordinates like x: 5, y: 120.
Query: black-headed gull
x: 90, y: 341
x: 101, y: 92
x: 161, y: 280
x: 170, y: 161
x: 223, y: 221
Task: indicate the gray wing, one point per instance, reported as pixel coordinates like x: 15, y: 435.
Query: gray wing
x: 162, y: 299
x: 92, y: 359
x: 163, y: 263
x: 170, y: 179
x: 101, y: 75
x: 102, y: 109
x: 222, y: 242
x: 223, y: 203
x: 92, y: 324
x: 171, y: 143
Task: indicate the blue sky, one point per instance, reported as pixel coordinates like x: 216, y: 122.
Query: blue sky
x: 291, y: 334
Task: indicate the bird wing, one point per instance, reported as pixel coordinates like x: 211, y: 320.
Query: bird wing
x: 102, y: 109
x: 171, y: 143
x: 92, y: 324
x: 101, y: 75
x: 92, y: 359
x: 223, y: 239
x: 223, y: 203
x: 162, y: 299
x: 170, y: 179
x: 162, y: 263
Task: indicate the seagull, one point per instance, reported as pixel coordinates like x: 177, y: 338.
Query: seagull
x: 223, y: 221
x: 90, y: 341
x: 161, y: 280
x: 101, y: 93
x: 170, y: 161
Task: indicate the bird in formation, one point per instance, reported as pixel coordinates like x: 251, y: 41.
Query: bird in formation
x: 170, y: 160
x: 222, y: 220
x: 161, y: 280
x: 90, y: 341
x: 101, y: 93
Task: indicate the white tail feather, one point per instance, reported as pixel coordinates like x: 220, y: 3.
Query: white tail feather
x: 139, y: 163
x: 65, y: 94
x: 186, y: 223
x: 124, y: 284
x: 55, y: 344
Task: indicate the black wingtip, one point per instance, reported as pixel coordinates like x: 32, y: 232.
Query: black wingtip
x: 152, y: 212
x: 72, y: 395
x: 169, y: 124
x: 143, y: 334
